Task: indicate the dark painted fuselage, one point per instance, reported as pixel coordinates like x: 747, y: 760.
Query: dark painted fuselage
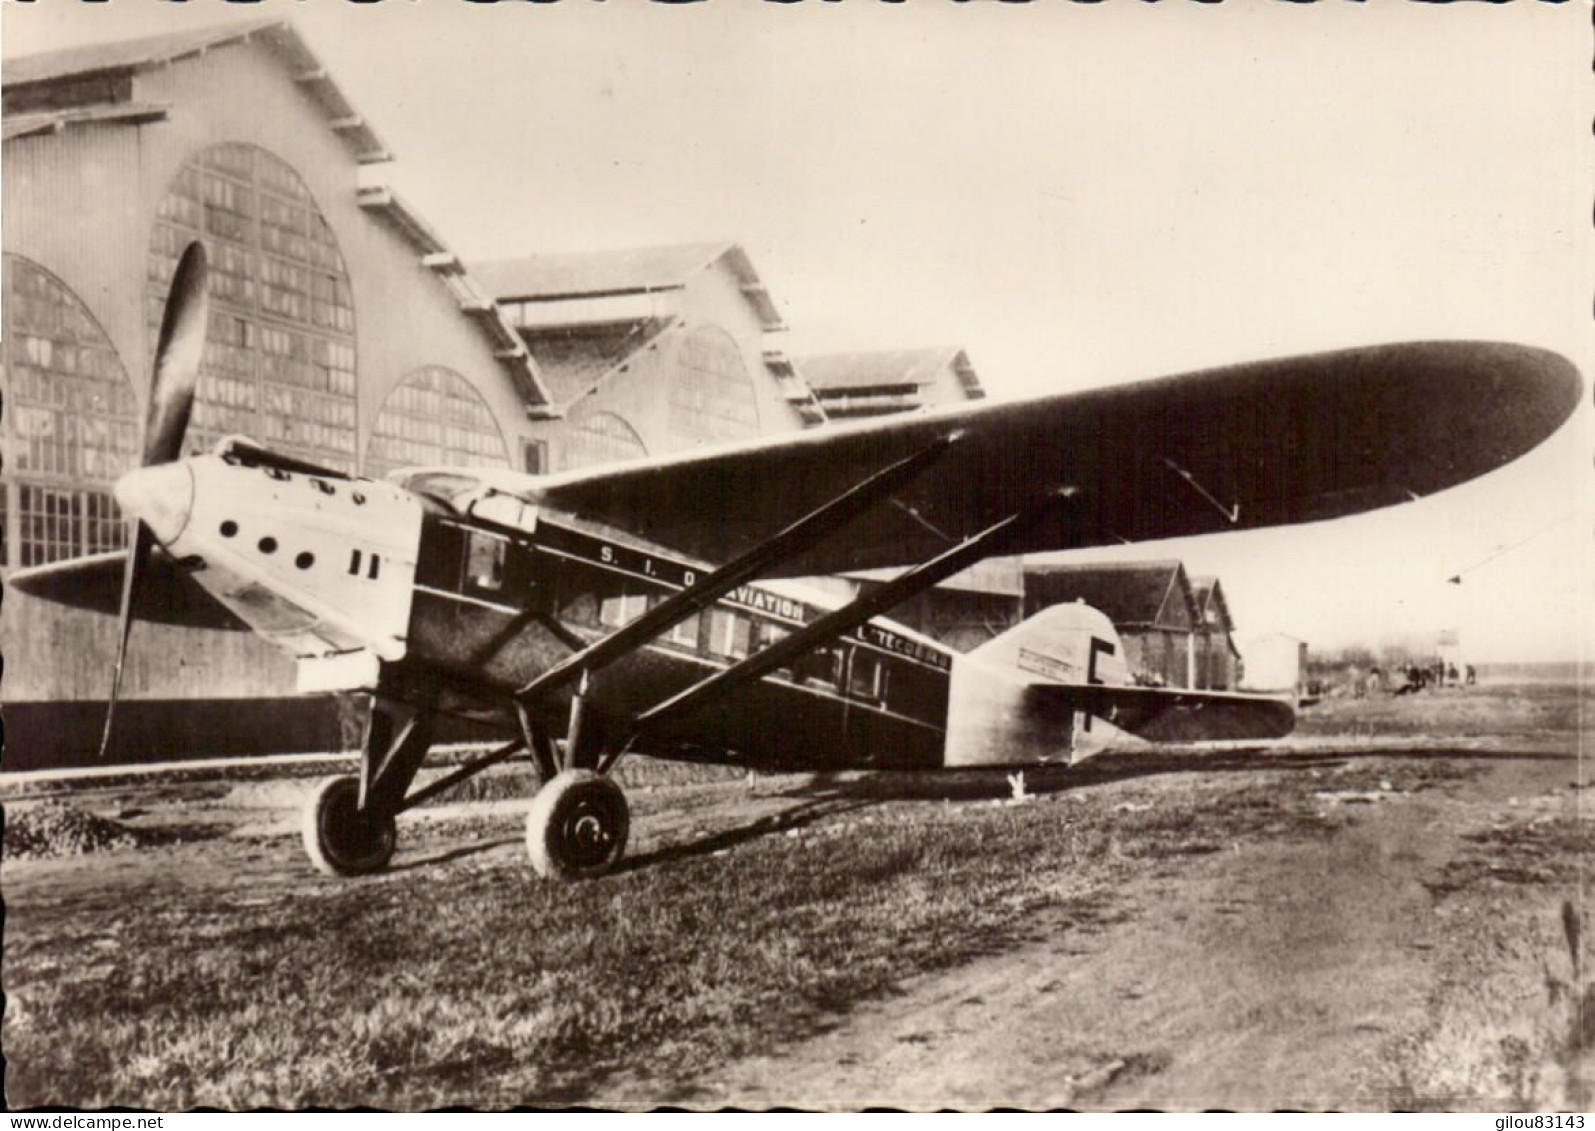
x: 494, y: 606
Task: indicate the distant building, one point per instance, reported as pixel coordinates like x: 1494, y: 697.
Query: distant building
x: 1275, y: 661
x: 343, y: 331
x: 970, y: 607
x: 964, y: 611
x: 648, y: 351
x: 1217, y: 658
x: 879, y: 382
x: 1150, y: 604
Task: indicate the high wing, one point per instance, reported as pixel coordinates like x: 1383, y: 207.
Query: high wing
x: 1256, y: 445
x: 1168, y: 715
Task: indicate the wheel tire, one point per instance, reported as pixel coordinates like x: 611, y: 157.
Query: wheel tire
x: 577, y: 826
x: 339, y: 839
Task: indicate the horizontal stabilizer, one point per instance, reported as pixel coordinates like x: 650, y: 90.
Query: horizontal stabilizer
x: 1160, y: 714
x: 165, y: 594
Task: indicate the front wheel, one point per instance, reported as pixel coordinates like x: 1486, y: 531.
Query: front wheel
x: 577, y: 826
x: 339, y: 839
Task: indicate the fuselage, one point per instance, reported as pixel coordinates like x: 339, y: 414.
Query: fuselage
x: 458, y: 599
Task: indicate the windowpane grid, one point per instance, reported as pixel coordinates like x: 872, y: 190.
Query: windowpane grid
x: 70, y: 422
x: 435, y: 417
x: 280, y: 360
x: 599, y: 438
x: 712, y: 396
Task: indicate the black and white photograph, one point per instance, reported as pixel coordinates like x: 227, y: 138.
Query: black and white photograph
x: 821, y: 555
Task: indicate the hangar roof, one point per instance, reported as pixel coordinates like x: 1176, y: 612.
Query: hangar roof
x: 47, y: 121
x: 623, y: 271
x: 435, y: 255
x: 1207, y: 591
x: 575, y: 359
x: 1131, y: 594
x: 126, y: 55
x: 841, y: 372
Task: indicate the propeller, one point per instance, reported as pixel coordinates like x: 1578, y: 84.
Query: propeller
x: 178, y: 352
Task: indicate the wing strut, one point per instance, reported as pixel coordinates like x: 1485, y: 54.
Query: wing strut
x: 796, y: 538
x: 849, y: 616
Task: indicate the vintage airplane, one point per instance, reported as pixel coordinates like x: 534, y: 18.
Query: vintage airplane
x: 586, y: 606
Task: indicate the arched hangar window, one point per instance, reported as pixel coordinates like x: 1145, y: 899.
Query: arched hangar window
x: 434, y: 417
x: 712, y: 396
x: 601, y: 437
x: 280, y: 357
x: 71, y: 423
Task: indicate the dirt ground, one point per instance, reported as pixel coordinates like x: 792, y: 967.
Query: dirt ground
x: 1265, y: 976
x: 1424, y: 943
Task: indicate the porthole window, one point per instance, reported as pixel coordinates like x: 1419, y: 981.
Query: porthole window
x: 229, y: 528
x: 268, y: 545
x: 305, y: 560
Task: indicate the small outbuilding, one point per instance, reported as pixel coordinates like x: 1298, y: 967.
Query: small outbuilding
x: 1150, y: 603
x: 1218, y: 660
x: 1275, y: 661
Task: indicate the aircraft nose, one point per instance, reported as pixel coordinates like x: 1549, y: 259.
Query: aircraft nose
x: 162, y: 496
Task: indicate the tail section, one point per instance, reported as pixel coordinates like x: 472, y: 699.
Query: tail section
x: 1071, y: 643
x: 1031, y: 695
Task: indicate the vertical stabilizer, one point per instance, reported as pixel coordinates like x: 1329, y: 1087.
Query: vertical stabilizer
x: 992, y: 720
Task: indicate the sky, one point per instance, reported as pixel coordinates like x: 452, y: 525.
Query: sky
x: 1078, y: 195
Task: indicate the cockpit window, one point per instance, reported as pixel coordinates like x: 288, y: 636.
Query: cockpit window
x: 506, y: 510
x: 450, y: 488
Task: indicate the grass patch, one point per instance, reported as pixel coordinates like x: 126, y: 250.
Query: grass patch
x: 483, y: 985
x: 1497, y: 711
x: 1554, y: 850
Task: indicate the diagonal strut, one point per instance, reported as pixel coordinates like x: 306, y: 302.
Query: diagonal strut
x: 849, y: 616
x: 796, y: 538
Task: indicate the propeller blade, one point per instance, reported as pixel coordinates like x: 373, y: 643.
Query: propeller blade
x: 143, y: 541
x: 178, y: 352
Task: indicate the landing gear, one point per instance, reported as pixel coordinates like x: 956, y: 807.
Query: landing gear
x: 341, y: 840
x: 577, y: 826
x: 348, y: 822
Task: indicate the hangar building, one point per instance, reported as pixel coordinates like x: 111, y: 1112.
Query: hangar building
x: 877, y: 382
x: 970, y: 607
x: 343, y: 330
x: 649, y: 350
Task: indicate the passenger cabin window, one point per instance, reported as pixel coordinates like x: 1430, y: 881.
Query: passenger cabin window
x: 823, y: 666
x: 685, y: 634
x: 622, y: 607
x: 730, y: 634
x: 771, y: 633
x: 866, y: 678
x: 484, y: 563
